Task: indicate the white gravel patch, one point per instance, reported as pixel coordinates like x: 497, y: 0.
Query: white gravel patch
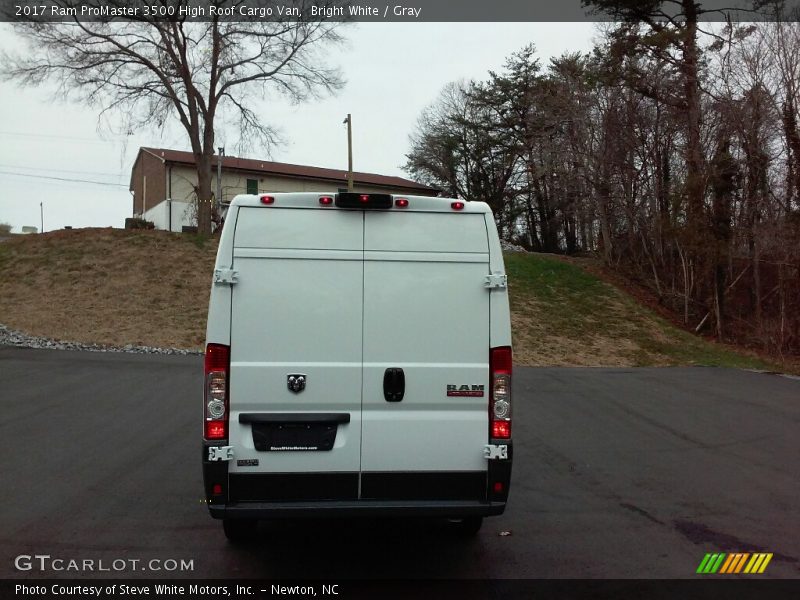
x: 10, y: 337
x: 509, y: 247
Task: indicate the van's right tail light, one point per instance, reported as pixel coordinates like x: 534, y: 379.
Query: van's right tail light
x: 215, y: 401
x: 500, y: 392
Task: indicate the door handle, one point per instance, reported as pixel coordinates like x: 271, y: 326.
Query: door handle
x: 394, y: 385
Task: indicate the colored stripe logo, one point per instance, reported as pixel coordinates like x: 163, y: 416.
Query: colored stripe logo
x: 734, y: 562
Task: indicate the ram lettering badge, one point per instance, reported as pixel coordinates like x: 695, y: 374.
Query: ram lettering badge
x: 474, y: 391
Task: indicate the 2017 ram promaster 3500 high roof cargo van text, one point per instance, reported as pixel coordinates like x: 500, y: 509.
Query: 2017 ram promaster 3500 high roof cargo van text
x: 358, y: 361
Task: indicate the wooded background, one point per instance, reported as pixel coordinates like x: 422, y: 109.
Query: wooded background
x: 671, y: 150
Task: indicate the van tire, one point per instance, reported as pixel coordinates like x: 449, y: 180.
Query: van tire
x: 239, y: 530
x: 468, y: 526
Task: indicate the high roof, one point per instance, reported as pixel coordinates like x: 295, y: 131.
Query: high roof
x: 289, y: 170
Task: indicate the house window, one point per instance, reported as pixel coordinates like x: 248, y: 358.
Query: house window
x: 252, y: 186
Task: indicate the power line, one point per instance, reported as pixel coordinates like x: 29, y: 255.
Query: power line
x: 63, y: 179
x: 60, y: 137
x: 39, y: 168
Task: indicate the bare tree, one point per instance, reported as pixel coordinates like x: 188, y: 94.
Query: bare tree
x: 598, y: 146
x: 457, y: 146
x: 671, y: 38
x: 146, y: 70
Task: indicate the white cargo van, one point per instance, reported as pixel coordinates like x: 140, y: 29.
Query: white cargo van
x: 358, y: 360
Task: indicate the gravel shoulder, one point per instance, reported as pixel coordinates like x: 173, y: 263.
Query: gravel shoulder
x: 9, y: 337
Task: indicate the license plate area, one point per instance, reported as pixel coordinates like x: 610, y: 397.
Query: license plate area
x: 294, y: 437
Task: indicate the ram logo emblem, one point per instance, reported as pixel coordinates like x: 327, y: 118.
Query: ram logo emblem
x: 296, y: 382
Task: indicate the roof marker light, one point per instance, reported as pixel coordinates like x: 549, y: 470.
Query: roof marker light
x: 457, y: 205
x: 401, y: 203
x: 364, y: 198
x: 267, y: 199
x: 325, y: 200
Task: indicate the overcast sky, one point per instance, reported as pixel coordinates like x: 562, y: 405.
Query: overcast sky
x: 393, y: 71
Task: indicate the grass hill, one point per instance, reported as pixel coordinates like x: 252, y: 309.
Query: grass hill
x: 151, y: 288
x: 564, y: 315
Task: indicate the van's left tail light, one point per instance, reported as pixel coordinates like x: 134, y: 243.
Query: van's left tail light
x: 215, y: 405
x: 500, y: 392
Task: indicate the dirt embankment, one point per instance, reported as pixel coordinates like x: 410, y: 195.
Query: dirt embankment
x: 108, y: 286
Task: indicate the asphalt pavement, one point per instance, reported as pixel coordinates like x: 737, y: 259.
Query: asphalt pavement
x: 618, y: 473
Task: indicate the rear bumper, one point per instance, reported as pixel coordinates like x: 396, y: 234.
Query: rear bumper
x: 356, y: 508
x: 393, y: 494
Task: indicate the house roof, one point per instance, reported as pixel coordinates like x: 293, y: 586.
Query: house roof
x: 289, y: 170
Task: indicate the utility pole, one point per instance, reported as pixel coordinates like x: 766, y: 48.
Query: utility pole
x: 349, y: 121
x: 41, y: 213
x: 221, y: 151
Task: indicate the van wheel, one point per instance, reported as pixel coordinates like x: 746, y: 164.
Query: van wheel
x: 239, y: 530
x: 468, y: 526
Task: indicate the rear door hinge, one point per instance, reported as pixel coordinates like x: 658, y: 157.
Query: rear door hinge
x: 216, y: 453
x: 495, y: 452
x: 495, y: 280
x: 228, y: 276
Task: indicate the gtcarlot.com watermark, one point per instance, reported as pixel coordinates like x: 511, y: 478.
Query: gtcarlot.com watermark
x: 56, y: 564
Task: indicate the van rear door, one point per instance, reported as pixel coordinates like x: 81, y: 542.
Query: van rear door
x: 426, y: 312
x: 296, y: 312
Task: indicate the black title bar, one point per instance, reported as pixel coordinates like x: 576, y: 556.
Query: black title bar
x: 410, y: 11
x: 478, y: 589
